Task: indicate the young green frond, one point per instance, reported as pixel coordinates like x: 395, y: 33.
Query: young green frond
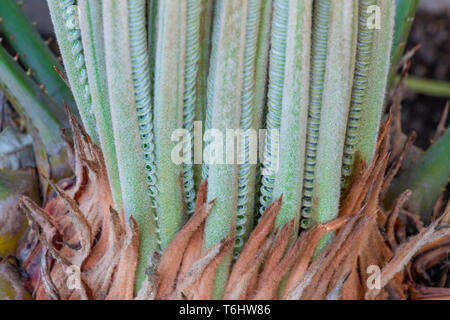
x: 66, y: 25
x: 227, y: 80
x: 91, y: 26
x: 247, y: 170
x: 294, y: 113
x: 275, y: 92
x: 313, y: 73
x: 135, y: 196
x: 376, y: 93
x: 168, y: 114
x: 211, y: 78
x: 191, y: 73
x: 319, y: 46
x: 205, y: 31
x: 360, y: 85
x: 337, y: 84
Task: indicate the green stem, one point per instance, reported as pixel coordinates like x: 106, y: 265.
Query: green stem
x: 247, y: 168
x: 191, y: 98
x: 261, y: 84
x: 34, y: 53
x: 168, y: 113
x: 319, y: 47
x: 135, y: 196
x: 203, y: 68
x: 426, y: 179
x: 262, y: 61
x: 229, y: 48
x: 294, y: 113
x: 152, y: 22
x: 274, y: 97
x: 211, y: 79
x: 91, y: 25
x: 425, y: 86
x: 337, y: 83
x: 404, y: 19
x: 378, y: 83
x: 66, y: 25
x: 140, y: 62
x: 360, y: 87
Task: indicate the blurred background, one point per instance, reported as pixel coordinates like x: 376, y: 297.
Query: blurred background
x: 431, y: 29
x: 421, y: 112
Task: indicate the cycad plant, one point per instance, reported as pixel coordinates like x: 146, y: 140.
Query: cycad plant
x: 153, y: 81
